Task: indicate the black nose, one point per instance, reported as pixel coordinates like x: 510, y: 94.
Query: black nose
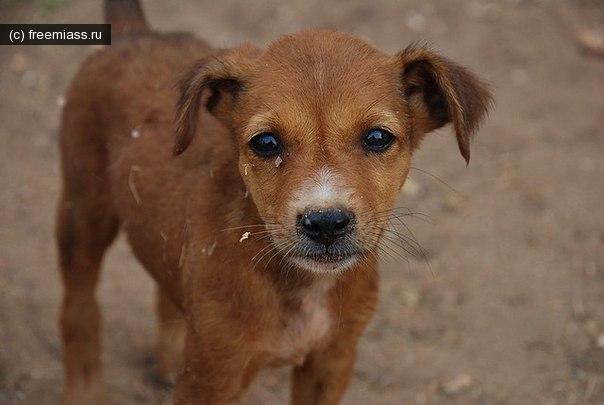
x: 325, y: 226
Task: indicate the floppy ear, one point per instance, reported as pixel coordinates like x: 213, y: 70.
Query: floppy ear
x: 223, y: 75
x: 439, y: 91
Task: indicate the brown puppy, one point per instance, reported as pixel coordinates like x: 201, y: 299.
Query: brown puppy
x: 263, y: 231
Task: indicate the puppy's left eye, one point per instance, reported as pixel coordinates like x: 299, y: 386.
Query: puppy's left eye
x: 377, y: 140
x: 265, y: 145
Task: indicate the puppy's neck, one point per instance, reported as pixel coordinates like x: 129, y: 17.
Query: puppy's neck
x: 291, y: 281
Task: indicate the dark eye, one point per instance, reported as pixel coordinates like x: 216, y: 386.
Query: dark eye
x: 265, y: 145
x: 377, y: 140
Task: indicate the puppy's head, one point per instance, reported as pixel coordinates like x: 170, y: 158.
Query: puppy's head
x: 326, y: 126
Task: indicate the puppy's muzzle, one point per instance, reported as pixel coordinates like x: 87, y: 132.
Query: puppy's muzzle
x: 326, y: 226
x: 326, y: 240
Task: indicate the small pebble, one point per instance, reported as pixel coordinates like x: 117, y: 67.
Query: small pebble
x: 61, y: 101
x: 600, y: 341
x: 519, y: 76
x: 591, y: 41
x: 29, y: 79
x: 457, y: 384
x: 412, y: 188
x: 19, y: 63
x: 415, y: 21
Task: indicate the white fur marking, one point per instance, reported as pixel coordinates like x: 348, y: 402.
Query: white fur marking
x: 324, y: 188
x: 308, y: 325
x: 326, y: 182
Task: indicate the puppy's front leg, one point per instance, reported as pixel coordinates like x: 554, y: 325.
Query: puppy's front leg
x: 217, y: 370
x: 323, y: 377
x: 170, y: 337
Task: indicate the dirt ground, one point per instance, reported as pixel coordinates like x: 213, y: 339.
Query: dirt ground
x: 507, y: 307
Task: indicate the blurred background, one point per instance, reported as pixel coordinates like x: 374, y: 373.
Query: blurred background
x: 506, y: 306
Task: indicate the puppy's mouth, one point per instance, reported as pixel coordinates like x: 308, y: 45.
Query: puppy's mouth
x: 325, y: 262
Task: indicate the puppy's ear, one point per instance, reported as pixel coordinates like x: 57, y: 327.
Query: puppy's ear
x: 221, y: 78
x: 439, y: 91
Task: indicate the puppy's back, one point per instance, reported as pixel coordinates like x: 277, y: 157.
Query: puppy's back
x: 117, y: 130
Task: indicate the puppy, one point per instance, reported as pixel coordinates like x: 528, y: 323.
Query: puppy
x: 255, y: 193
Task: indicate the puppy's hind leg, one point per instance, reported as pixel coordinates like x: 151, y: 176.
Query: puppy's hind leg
x: 82, y: 241
x: 170, y: 337
x: 86, y: 226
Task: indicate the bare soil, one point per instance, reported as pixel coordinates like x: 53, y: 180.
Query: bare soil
x: 506, y: 307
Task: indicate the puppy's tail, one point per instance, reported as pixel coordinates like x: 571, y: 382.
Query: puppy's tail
x: 126, y: 17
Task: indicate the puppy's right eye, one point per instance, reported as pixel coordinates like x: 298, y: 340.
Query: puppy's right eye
x: 265, y: 145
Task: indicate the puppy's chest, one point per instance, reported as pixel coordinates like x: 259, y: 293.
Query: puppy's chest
x: 306, y: 324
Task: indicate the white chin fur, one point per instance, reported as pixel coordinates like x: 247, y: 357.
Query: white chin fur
x: 324, y: 267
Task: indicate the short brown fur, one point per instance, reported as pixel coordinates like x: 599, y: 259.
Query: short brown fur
x: 222, y: 229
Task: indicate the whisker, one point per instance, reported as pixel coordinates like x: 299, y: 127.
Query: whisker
x: 416, y: 215
x: 411, y: 234
x: 263, y: 233
x: 268, y: 247
x: 287, y: 265
x: 401, y: 212
x: 269, y: 226
x: 435, y: 177
x: 278, y: 250
x: 398, y: 213
x: 392, y: 253
x: 406, y: 243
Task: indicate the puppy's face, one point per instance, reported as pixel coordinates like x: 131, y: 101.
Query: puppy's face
x: 326, y: 126
x: 324, y: 148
